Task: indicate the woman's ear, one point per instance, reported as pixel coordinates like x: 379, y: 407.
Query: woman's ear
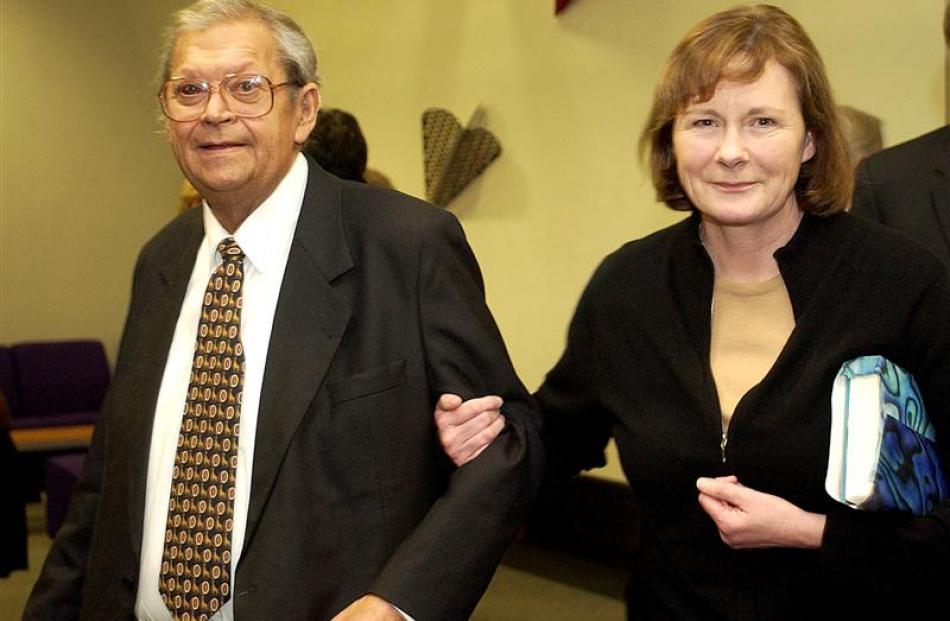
x: 809, y: 151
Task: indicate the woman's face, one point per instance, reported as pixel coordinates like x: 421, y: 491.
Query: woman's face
x: 738, y: 154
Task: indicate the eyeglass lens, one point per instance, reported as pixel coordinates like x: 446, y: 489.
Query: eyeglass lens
x: 245, y: 95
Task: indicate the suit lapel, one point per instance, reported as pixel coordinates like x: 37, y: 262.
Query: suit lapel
x: 154, y: 327
x: 309, y: 322
x: 940, y: 186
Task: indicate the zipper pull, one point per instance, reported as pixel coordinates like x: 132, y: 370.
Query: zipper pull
x: 722, y: 446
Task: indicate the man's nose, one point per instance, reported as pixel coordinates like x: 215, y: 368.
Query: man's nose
x: 217, y: 109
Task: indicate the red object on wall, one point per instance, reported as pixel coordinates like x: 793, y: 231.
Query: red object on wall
x: 560, y: 5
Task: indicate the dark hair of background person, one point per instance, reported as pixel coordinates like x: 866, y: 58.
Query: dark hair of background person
x: 338, y: 144
x: 736, y: 45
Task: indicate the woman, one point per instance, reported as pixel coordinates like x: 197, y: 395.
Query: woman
x: 708, y: 349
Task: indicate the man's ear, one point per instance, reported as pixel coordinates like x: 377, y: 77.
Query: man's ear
x: 308, y: 101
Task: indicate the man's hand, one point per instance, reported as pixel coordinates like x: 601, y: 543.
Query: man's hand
x: 750, y: 519
x: 369, y: 608
x: 467, y: 428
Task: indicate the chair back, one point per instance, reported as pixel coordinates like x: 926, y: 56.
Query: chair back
x: 60, y: 377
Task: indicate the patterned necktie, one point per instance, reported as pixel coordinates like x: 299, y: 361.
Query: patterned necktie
x: 195, y: 578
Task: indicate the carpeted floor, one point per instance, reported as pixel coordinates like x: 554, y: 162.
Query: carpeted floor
x: 533, y: 583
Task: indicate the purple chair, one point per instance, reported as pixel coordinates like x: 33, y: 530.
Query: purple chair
x: 62, y: 473
x: 58, y: 383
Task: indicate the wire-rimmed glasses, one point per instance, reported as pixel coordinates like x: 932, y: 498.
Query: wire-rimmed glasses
x: 246, y: 95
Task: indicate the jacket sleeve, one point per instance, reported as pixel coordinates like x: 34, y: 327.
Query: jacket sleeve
x: 441, y: 570
x: 577, y: 426
x: 895, y: 553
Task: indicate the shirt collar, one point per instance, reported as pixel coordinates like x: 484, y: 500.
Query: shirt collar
x: 269, y: 228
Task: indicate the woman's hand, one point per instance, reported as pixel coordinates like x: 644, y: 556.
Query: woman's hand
x: 750, y: 519
x: 467, y: 428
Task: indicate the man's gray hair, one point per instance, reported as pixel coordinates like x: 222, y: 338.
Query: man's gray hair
x: 296, y: 52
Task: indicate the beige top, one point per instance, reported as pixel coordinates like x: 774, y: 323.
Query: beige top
x: 750, y: 324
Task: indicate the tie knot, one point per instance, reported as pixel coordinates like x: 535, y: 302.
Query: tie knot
x: 229, y: 250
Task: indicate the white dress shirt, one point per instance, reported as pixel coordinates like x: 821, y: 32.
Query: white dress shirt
x: 265, y: 237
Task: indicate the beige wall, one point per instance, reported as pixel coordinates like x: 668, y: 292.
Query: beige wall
x: 567, y: 98
x: 84, y: 178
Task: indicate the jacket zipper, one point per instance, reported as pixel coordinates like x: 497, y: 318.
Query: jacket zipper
x: 723, y: 429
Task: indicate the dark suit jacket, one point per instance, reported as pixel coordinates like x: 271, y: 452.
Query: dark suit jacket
x: 380, y: 311
x: 907, y: 187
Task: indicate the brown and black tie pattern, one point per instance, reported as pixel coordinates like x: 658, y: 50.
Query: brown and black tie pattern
x: 195, y: 578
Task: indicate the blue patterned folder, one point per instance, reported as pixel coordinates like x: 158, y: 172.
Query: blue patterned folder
x: 883, y: 452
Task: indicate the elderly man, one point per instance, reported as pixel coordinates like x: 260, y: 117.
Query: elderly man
x: 266, y: 450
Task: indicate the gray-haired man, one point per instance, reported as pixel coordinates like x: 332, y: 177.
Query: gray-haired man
x: 266, y: 450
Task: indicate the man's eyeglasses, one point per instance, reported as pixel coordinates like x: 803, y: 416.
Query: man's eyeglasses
x: 248, y: 96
